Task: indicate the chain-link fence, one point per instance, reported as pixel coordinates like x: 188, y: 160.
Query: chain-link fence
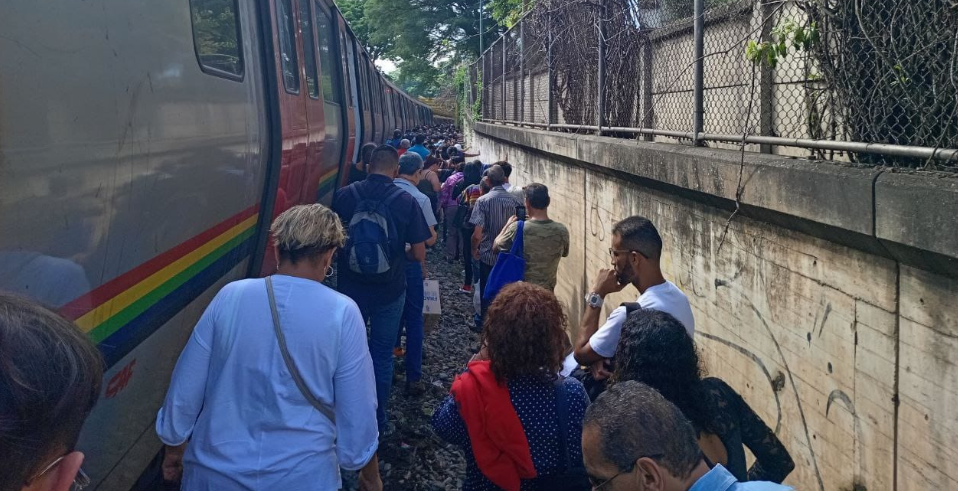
x: 867, y: 82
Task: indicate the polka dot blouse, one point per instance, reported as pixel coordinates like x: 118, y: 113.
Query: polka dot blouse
x: 535, y: 403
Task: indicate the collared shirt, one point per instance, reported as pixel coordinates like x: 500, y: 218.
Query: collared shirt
x: 231, y: 396
x: 491, y: 212
x: 410, y: 226
x: 421, y: 150
x: 420, y: 198
x: 720, y: 479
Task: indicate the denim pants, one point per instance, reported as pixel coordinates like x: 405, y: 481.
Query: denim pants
x: 412, y: 315
x: 383, y: 321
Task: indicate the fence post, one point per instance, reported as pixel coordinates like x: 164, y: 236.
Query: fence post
x: 502, y: 40
x: 698, y: 121
x: 521, y: 116
x: 765, y: 107
x: 648, y: 118
x: 550, y: 119
x: 600, y: 93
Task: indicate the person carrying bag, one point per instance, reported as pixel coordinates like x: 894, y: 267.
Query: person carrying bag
x: 510, y: 267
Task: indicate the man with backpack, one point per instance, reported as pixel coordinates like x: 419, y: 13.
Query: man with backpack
x: 380, y: 219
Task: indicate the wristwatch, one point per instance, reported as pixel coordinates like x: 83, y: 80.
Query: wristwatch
x: 594, y: 300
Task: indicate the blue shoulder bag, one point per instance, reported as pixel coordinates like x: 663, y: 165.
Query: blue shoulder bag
x: 510, y: 267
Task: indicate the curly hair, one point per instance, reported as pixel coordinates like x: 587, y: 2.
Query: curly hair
x: 524, y: 333
x: 655, y: 349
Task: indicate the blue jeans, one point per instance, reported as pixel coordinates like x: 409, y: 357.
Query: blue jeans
x: 412, y: 315
x: 383, y: 321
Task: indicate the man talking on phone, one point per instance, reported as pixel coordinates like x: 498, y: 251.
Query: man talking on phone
x: 545, y: 241
x: 635, y: 254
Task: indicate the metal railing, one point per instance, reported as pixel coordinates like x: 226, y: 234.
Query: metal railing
x: 774, y: 76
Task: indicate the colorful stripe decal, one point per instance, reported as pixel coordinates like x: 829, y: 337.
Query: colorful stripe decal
x: 121, y: 313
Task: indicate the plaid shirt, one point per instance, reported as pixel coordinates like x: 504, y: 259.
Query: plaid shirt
x: 491, y: 212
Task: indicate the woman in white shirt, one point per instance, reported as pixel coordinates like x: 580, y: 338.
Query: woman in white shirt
x: 234, y: 398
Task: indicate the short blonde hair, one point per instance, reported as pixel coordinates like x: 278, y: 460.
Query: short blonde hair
x: 306, y: 231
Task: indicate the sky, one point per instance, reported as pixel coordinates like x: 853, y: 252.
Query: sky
x: 385, y: 65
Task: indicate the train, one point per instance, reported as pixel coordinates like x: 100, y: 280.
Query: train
x: 145, y: 147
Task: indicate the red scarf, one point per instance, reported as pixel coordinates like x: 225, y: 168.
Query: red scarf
x: 498, y: 441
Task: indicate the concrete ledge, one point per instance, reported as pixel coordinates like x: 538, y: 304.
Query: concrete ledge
x: 911, y: 218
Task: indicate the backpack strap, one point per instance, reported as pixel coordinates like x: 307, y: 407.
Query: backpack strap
x: 293, y: 371
x: 354, y: 190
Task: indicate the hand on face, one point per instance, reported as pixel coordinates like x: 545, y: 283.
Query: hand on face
x: 607, y: 282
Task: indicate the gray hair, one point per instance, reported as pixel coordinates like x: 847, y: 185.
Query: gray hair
x: 497, y: 176
x: 635, y: 421
x: 306, y: 231
x: 404, y: 143
x: 409, y: 163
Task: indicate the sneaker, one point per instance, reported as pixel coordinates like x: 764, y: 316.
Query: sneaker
x: 466, y: 289
x: 399, y: 352
x: 415, y: 389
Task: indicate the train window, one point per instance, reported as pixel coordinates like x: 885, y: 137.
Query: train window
x: 216, y: 37
x: 327, y: 42
x: 309, y: 50
x: 287, y: 46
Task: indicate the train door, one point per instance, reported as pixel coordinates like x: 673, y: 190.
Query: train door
x: 362, y: 81
x: 333, y: 101
x: 380, y: 131
x: 354, y: 118
x: 292, y: 111
x: 316, y: 165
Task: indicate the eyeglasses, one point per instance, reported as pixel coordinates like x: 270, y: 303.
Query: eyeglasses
x: 616, y: 252
x: 597, y: 484
x: 80, y: 482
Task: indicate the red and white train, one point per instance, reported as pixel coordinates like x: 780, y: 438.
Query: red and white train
x: 145, y: 147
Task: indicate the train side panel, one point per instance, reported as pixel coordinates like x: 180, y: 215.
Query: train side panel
x: 130, y: 180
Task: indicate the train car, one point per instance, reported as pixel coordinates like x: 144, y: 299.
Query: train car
x: 144, y: 149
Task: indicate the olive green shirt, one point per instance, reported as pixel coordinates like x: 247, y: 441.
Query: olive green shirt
x: 544, y: 243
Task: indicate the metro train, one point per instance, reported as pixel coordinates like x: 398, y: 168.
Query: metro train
x: 145, y: 147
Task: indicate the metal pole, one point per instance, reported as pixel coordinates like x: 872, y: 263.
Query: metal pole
x: 698, y: 122
x: 522, y: 71
x: 648, y: 116
x: 765, y: 106
x: 550, y: 119
x: 481, y: 33
x: 503, y: 41
x: 600, y: 92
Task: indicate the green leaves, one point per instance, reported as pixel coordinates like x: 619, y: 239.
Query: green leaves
x: 785, y: 36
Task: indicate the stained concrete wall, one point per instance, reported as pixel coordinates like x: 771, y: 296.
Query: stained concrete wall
x: 830, y: 300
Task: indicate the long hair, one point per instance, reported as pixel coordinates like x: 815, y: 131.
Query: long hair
x: 655, y: 349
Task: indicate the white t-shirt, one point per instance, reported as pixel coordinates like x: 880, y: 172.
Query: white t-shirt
x: 665, y: 297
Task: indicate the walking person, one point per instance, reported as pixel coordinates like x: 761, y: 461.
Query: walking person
x: 429, y: 184
x: 489, y: 216
x: 450, y: 208
x: 518, y: 423
x: 545, y: 241
x: 49, y: 383
x: 410, y: 175
x: 275, y: 388
x: 381, y: 219
x: 468, y: 192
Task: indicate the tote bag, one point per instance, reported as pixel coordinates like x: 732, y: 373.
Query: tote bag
x: 510, y: 267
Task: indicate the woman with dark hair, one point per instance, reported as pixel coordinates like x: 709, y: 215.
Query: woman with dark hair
x: 429, y: 182
x: 50, y: 375
x: 467, y: 191
x: 519, y: 422
x: 655, y: 349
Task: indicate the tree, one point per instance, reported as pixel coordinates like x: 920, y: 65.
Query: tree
x: 355, y: 13
x: 423, y: 35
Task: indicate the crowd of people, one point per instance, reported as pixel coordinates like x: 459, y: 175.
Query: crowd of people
x: 285, y: 380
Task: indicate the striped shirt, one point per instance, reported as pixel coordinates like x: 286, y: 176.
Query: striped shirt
x: 491, y: 212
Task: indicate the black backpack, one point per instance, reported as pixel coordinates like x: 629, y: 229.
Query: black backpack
x: 372, y: 237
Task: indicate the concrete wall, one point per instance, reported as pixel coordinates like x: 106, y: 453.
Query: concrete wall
x: 831, y: 298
